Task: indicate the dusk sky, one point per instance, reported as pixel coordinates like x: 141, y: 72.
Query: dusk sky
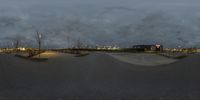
x: 101, y: 22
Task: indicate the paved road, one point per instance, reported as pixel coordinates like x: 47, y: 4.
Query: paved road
x: 97, y: 77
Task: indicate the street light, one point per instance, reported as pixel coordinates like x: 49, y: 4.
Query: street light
x: 40, y: 36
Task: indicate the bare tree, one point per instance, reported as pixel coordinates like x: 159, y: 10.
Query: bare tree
x: 17, y: 41
x: 69, y: 42
x: 79, y: 44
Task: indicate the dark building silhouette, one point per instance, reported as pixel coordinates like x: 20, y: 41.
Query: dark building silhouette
x: 142, y: 48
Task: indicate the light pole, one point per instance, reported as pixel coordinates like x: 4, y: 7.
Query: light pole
x: 39, y: 37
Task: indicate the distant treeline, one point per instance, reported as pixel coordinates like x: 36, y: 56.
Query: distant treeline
x: 96, y: 50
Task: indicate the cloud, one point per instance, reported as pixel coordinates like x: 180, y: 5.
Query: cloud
x: 64, y: 24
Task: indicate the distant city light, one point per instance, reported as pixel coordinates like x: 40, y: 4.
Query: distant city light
x: 107, y: 48
x: 22, y: 49
x: 158, y: 46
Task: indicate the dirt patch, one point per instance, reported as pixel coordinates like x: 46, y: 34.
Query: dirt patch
x: 32, y: 59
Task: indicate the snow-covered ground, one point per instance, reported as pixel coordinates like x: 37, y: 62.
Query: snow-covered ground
x: 145, y: 59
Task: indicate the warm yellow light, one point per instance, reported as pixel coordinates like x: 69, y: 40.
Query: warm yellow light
x: 22, y: 49
x: 49, y: 54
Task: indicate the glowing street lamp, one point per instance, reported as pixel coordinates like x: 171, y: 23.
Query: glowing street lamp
x: 40, y: 36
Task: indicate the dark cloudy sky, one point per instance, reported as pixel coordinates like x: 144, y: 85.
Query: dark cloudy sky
x: 103, y: 22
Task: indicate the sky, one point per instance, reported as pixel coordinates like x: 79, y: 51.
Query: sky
x: 65, y: 23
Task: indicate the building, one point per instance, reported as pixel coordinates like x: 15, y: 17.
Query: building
x: 143, y: 48
x: 107, y: 48
x: 198, y: 50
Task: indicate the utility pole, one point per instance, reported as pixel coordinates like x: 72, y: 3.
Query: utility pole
x: 39, y: 38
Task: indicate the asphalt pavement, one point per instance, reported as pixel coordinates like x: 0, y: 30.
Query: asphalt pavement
x: 97, y: 76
